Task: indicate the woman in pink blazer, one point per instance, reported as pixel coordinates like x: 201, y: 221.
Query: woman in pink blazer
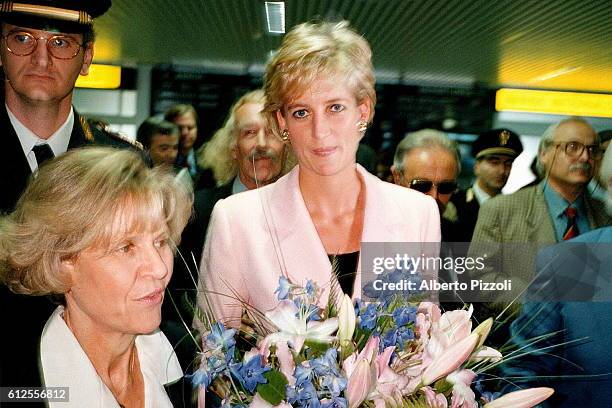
x: 320, y: 98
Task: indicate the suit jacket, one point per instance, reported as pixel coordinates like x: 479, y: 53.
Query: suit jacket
x: 585, y: 364
x: 467, y: 207
x: 522, y: 222
x: 181, y: 288
x: 259, y: 235
x: 14, y: 166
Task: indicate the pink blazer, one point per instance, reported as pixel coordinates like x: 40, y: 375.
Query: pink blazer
x: 256, y: 236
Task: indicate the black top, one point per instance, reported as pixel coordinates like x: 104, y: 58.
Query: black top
x: 345, y: 266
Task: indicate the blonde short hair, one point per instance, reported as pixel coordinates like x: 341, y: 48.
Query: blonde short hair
x: 88, y: 197
x: 310, y: 50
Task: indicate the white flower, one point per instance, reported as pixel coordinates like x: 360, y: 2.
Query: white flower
x: 294, y: 328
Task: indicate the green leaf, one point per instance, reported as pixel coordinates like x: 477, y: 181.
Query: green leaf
x: 274, y: 390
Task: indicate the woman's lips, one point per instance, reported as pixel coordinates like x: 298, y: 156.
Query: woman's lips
x: 324, y: 151
x: 153, y: 298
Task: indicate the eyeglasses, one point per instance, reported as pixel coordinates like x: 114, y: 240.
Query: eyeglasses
x: 425, y: 186
x: 575, y: 149
x: 22, y: 43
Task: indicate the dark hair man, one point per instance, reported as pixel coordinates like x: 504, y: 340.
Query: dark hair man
x: 160, y: 139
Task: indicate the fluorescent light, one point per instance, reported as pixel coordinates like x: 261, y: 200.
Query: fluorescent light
x: 275, y: 16
x: 554, y: 102
x: 555, y: 74
x: 101, y: 77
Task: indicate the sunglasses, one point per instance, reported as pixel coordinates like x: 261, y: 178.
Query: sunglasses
x: 425, y: 186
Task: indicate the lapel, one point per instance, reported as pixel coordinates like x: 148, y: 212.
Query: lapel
x: 14, y: 166
x: 78, y: 137
x: 538, y: 222
x: 301, y: 250
x: 596, y: 212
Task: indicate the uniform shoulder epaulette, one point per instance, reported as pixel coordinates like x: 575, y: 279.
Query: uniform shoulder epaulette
x: 469, y: 195
x: 104, y: 128
x: 124, y: 138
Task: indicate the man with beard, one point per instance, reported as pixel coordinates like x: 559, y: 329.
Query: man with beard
x: 494, y: 151
x: 243, y: 155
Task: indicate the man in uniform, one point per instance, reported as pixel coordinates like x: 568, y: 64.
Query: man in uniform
x: 494, y: 151
x: 45, y: 45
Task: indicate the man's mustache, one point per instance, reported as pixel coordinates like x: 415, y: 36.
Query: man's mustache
x: 263, y: 154
x: 581, y: 166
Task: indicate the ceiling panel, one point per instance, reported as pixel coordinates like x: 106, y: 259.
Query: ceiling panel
x: 538, y: 44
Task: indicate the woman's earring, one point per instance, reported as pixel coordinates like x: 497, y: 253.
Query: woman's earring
x: 362, y: 126
x: 285, y: 136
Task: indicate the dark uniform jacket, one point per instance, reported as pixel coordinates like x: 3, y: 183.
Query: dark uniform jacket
x: 467, y: 214
x: 14, y: 166
x: 23, y: 317
x: 186, y: 264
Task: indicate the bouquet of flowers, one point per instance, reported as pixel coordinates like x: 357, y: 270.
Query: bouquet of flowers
x: 391, y: 353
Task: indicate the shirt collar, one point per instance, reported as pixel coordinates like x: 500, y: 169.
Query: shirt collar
x: 58, y: 141
x: 65, y: 364
x: 237, y: 186
x: 558, y: 204
x: 480, y: 194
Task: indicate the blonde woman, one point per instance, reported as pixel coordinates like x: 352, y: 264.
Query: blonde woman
x: 96, y: 229
x: 320, y: 98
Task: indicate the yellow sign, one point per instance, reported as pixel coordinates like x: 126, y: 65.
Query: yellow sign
x: 101, y: 77
x: 554, y: 102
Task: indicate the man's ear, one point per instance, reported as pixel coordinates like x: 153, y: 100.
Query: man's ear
x: 397, y: 177
x: 476, y: 168
x: 88, y: 54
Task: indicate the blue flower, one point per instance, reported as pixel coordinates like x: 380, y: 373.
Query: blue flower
x: 310, y: 288
x: 310, y: 311
x: 251, y: 373
x: 283, y: 288
x: 397, y: 337
x: 335, y: 402
x: 303, y: 395
x: 216, y: 364
x: 200, y: 378
x: 404, y: 315
x: 369, y: 316
x: 303, y: 374
x: 219, y: 338
x: 326, y: 364
x: 334, y: 383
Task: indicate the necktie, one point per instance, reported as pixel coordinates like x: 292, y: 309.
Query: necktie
x: 571, y: 230
x: 43, y: 153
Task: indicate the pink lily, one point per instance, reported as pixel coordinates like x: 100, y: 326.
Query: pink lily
x: 462, y: 395
x: 361, y: 372
x: 521, y: 399
x: 434, y: 400
x: 450, y: 359
x: 359, y: 383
